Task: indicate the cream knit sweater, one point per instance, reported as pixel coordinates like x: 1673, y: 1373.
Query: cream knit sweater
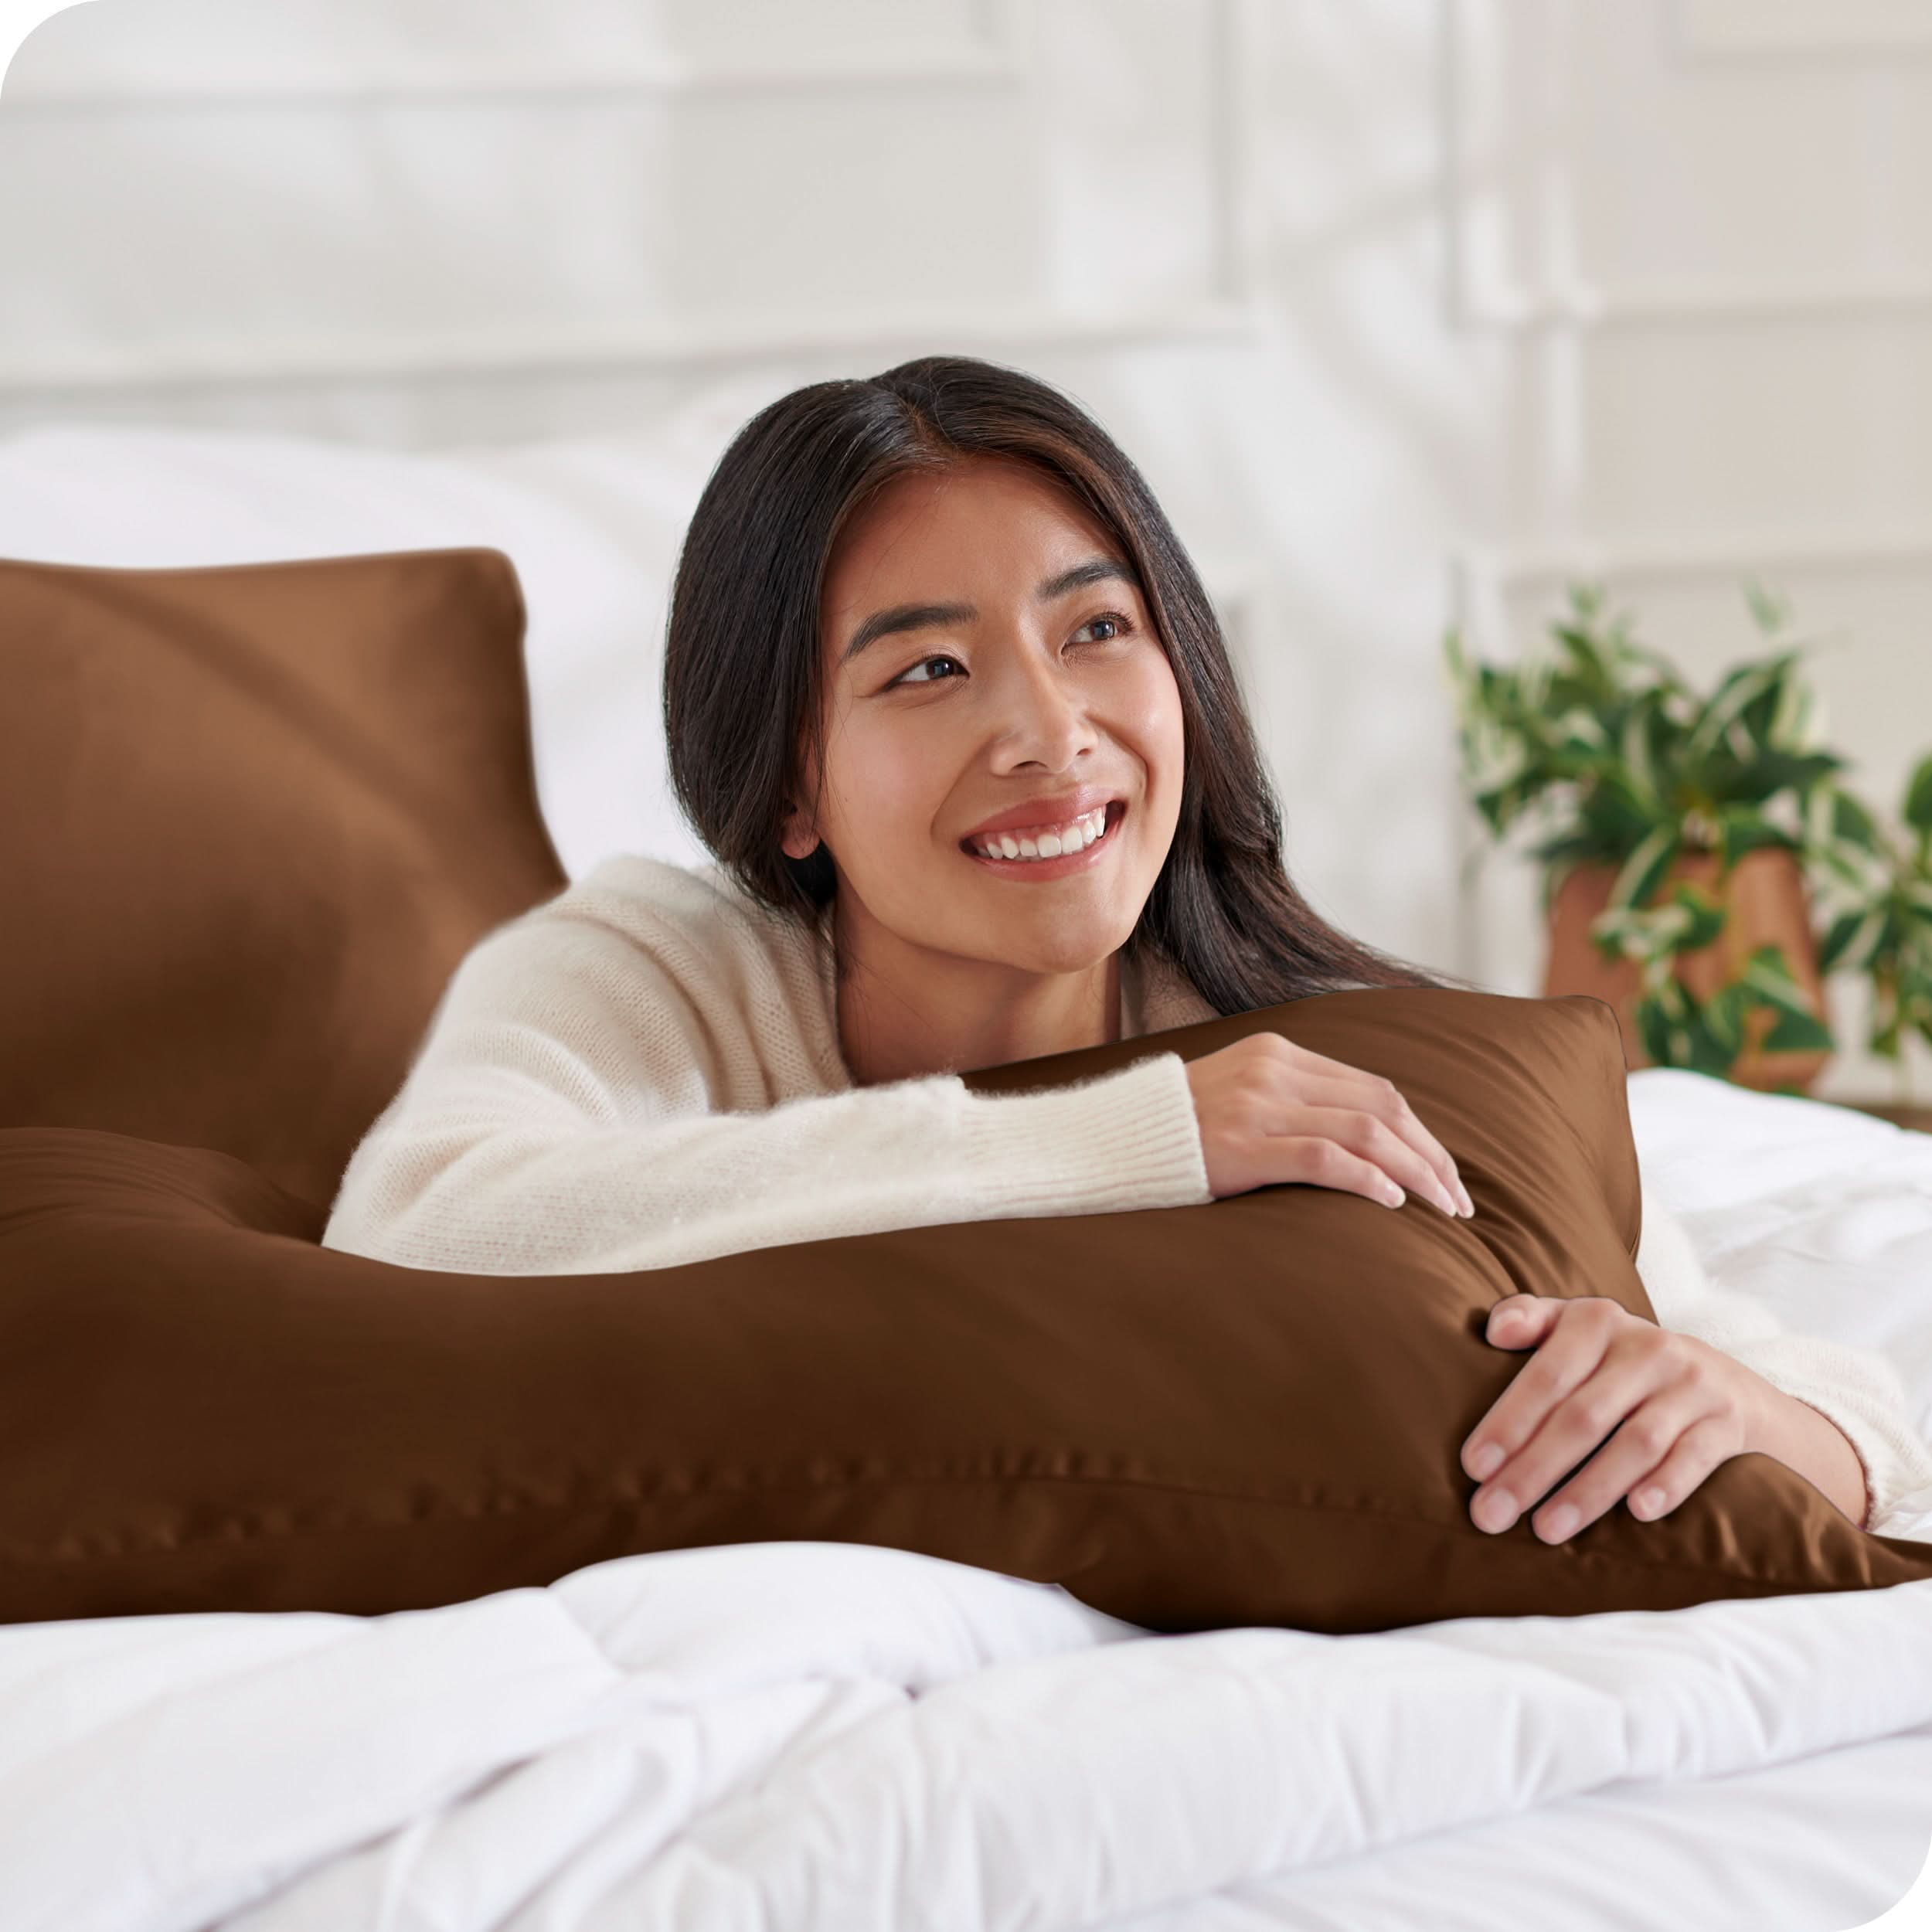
x: 645, y: 1070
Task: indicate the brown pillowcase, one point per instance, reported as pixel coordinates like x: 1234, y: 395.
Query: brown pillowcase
x: 251, y: 817
x: 1247, y: 1412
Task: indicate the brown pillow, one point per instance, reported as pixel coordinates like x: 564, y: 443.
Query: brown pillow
x: 251, y: 817
x: 1243, y: 1412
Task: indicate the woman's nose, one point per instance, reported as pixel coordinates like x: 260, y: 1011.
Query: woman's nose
x: 1043, y: 720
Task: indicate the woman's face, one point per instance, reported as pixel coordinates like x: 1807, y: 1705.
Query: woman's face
x: 991, y: 670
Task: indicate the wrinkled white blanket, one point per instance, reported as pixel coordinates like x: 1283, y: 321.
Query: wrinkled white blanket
x: 844, y: 1738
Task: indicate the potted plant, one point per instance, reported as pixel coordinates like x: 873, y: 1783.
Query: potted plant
x: 1878, y: 892
x: 1677, y: 831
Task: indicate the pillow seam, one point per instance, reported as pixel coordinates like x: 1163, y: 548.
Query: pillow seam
x: 150, y: 1546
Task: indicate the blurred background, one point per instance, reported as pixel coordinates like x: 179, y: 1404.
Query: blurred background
x: 1414, y: 312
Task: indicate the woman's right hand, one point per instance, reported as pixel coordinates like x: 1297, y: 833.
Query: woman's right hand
x: 1271, y: 1111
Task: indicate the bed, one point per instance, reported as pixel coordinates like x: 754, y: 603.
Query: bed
x: 816, y: 1735
x: 820, y: 1735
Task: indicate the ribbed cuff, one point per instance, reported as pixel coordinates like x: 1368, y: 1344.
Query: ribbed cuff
x: 1857, y: 1391
x: 1889, y: 1475
x: 1128, y: 1140
x: 1891, y: 1472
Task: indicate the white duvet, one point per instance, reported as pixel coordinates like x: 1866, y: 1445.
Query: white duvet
x: 844, y: 1738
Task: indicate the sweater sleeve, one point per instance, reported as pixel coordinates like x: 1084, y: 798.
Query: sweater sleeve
x: 561, y: 1118
x: 1857, y: 1388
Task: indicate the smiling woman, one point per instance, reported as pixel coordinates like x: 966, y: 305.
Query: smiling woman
x: 942, y: 602
x: 945, y: 697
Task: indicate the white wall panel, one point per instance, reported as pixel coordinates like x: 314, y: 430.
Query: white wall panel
x: 1810, y: 27
x: 1603, y: 176
x: 1796, y: 426
x: 378, y: 191
x: 194, y: 52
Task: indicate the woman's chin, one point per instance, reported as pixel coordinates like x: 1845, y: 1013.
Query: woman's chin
x: 1069, y: 943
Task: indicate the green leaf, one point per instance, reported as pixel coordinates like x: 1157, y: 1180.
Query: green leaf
x: 1584, y: 654
x: 1644, y: 869
x: 1619, y: 816
x: 1915, y: 994
x: 1640, y: 776
x: 1773, y: 771
x: 1707, y: 916
x: 1852, y: 823
x: 1892, y: 927
x: 1643, y: 935
x: 1793, y: 724
x: 1724, y: 1016
x: 1798, y: 1033
x: 1771, y: 610
x: 1850, y: 939
x: 1854, y: 868
x: 1737, y: 688
x: 1742, y: 828
x: 1709, y: 1055
x: 1766, y: 972
x: 1918, y: 797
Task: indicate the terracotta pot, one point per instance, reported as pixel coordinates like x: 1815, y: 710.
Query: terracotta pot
x: 1767, y: 904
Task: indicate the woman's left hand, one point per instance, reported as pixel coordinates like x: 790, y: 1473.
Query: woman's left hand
x: 1665, y: 1408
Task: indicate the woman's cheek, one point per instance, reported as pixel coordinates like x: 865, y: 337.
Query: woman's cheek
x: 889, y: 787
x: 1152, y: 727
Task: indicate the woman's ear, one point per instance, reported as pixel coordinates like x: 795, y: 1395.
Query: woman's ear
x: 799, y: 840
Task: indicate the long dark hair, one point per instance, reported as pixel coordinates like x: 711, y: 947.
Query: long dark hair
x: 743, y: 679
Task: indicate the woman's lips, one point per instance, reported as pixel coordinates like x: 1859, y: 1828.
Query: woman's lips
x: 1067, y: 862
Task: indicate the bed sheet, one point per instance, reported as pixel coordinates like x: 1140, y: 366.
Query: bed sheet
x: 1823, y: 1213
x: 836, y: 1738
x: 1829, y: 1840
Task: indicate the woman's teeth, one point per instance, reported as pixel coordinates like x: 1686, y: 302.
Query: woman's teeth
x: 1076, y: 836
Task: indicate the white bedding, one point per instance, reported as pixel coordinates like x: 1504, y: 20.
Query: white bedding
x: 840, y: 1738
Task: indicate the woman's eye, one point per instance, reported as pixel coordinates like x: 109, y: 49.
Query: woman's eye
x: 906, y: 677
x: 1111, y: 626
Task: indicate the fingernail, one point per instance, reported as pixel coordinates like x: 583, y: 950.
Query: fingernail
x: 1469, y: 1206
x: 1494, y: 1511
x: 1486, y: 1461
x: 1563, y: 1520
x: 1392, y: 1195
x: 1648, y: 1501
x: 1447, y: 1206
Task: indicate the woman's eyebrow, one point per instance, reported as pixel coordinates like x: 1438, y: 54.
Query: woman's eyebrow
x: 921, y: 616
x: 907, y: 617
x: 1095, y: 570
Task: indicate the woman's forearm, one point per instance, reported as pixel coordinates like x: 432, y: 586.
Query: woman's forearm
x: 1805, y: 1439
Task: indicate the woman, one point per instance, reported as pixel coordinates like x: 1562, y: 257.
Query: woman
x: 944, y: 696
